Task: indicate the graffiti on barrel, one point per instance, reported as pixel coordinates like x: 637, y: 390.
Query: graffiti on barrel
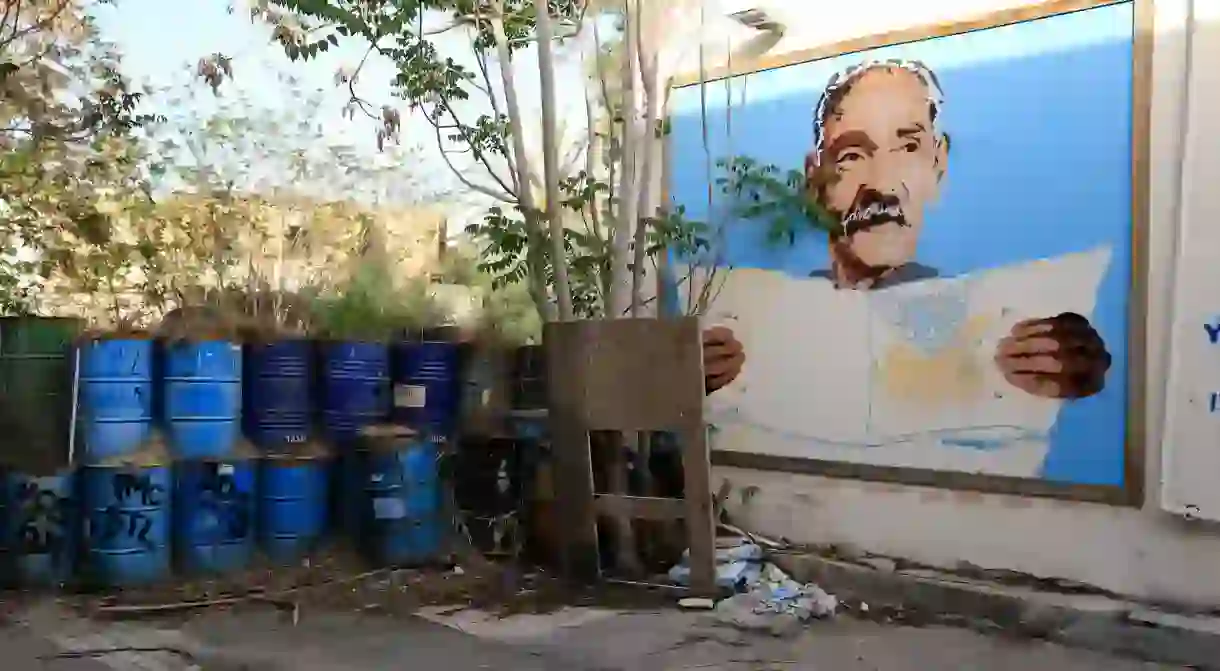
x: 116, y: 520
x: 41, y: 528
x: 222, y: 500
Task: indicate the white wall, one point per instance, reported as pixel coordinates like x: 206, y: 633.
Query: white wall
x: 1192, y: 418
x: 1141, y: 552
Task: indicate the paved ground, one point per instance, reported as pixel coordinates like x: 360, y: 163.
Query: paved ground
x: 671, y: 641
x: 574, y: 640
x: 21, y: 650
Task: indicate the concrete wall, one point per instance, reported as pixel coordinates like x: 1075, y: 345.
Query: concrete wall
x: 1143, y: 552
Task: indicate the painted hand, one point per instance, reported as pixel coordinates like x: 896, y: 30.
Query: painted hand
x: 723, y: 357
x: 1057, y: 357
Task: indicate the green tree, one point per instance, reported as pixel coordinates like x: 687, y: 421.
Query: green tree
x: 590, y: 221
x: 69, y: 147
x: 264, y: 199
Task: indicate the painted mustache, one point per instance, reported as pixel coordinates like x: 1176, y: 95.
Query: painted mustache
x: 872, y: 209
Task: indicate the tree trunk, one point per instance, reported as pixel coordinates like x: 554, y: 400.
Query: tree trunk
x: 649, y: 200
x: 550, y: 159
x: 622, y: 296
x: 535, y: 255
x: 628, y: 189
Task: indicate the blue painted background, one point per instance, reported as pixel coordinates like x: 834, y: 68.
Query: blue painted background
x: 1039, y: 116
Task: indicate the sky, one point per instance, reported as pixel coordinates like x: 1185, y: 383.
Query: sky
x: 162, y: 40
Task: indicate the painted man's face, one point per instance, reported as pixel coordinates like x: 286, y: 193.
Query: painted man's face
x: 881, y: 164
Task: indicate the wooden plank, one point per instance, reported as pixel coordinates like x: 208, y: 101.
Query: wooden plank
x: 642, y: 374
x: 577, y: 535
x: 1134, y: 473
x: 628, y: 375
x: 700, y: 524
x: 995, y: 19
x: 640, y: 507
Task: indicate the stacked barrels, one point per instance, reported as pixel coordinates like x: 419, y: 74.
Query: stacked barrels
x: 294, y: 471
x: 37, y: 515
x: 216, y: 477
x: 126, y: 482
x: 192, y: 456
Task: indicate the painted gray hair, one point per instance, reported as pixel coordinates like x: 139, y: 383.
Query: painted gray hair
x: 841, y: 82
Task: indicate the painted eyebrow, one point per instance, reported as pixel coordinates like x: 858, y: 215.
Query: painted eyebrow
x: 912, y: 131
x: 851, y: 139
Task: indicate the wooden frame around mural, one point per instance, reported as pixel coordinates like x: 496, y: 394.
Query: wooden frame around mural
x: 1132, y: 492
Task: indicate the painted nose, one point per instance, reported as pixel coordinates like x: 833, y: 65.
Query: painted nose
x: 884, y: 174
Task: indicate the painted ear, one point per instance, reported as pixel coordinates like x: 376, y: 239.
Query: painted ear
x: 818, y: 175
x: 942, y: 156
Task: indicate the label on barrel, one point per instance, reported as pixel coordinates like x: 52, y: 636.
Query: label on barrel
x: 388, y: 508
x: 410, y: 396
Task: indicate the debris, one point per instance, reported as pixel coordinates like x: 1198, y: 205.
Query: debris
x: 102, y: 652
x: 138, y: 610
x: 767, y: 599
x: 753, y: 537
x: 736, y: 567
x: 696, y: 603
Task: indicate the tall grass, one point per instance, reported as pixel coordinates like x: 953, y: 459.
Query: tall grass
x: 372, y: 305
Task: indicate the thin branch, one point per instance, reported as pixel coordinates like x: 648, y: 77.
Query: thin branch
x: 687, y: 279
x: 459, y: 22
x: 504, y: 196
x: 351, y: 84
x: 464, y: 131
x: 599, y: 60
x: 507, y: 195
x: 36, y: 26
x: 577, y: 151
x: 480, y: 58
x: 8, y: 9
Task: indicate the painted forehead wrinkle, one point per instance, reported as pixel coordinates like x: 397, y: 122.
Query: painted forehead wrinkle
x: 840, y: 82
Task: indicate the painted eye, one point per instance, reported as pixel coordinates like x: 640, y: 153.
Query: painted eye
x: 910, y: 147
x: 849, y: 156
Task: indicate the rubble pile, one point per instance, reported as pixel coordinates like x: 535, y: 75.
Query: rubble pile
x: 765, y: 598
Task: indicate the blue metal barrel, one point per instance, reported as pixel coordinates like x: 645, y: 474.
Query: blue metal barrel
x: 278, y: 394
x: 400, y: 504
x: 41, y: 529
x: 115, y: 397
x: 202, y: 398
x: 355, y: 388
x: 426, y: 385
x: 127, y: 531
x: 292, y: 501
x: 214, y: 509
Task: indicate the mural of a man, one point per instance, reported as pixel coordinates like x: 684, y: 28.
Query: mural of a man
x: 878, y: 161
